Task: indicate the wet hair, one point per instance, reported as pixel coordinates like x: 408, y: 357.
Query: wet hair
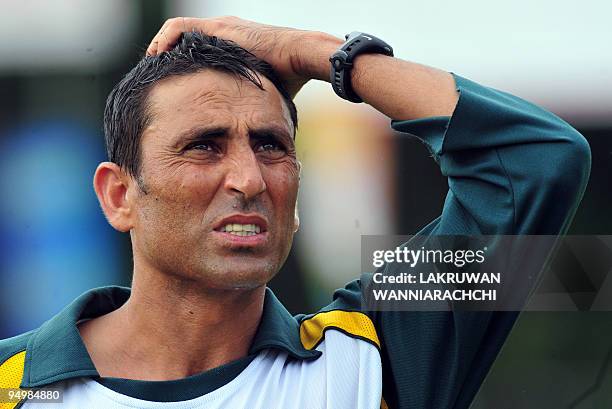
x: 126, y: 114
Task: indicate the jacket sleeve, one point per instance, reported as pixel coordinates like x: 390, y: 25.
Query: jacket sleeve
x: 512, y: 169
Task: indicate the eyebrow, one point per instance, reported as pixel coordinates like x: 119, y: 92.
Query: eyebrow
x: 203, y: 132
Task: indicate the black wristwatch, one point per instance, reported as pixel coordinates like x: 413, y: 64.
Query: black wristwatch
x: 342, y: 61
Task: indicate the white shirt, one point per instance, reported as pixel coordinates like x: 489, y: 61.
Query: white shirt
x: 347, y: 376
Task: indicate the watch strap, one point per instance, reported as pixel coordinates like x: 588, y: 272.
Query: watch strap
x: 342, y: 61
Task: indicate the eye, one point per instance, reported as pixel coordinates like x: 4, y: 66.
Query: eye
x: 269, y: 146
x: 270, y: 149
x: 206, y: 146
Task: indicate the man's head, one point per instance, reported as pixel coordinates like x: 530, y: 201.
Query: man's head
x: 202, y: 168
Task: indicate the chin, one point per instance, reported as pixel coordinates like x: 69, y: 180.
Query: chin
x: 241, y: 276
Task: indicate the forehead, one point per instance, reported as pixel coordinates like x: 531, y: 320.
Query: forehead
x: 211, y: 97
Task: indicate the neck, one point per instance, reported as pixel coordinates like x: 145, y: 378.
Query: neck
x: 171, y: 328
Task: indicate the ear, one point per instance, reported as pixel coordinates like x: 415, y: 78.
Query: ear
x: 111, y: 185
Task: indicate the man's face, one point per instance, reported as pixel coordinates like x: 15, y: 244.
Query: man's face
x: 221, y: 178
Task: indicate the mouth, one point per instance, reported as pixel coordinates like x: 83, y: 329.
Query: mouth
x: 243, y: 229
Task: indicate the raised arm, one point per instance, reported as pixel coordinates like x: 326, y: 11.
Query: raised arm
x: 397, y: 88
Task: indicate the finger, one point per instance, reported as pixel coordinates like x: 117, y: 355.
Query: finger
x: 153, y: 48
x: 172, y: 32
x: 165, y: 40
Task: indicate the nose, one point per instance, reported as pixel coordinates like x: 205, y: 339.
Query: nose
x: 244, y: 174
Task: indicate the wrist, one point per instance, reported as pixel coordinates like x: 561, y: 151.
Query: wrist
x: 313, y: 56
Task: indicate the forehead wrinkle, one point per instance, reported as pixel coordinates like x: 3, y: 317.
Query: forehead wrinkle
x: 203, y: 100
x: 214, y: 97
x: 215, y: 91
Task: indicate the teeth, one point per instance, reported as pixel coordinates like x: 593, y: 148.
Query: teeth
x: 242, y: 233
x: 238, y: 229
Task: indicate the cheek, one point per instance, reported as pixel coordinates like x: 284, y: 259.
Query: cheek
x: 180, y: 199
x: 193, y: 184
x: 199, y: 185
x: 282, y: 181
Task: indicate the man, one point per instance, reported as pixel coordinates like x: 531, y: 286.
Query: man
x: 204, y: 176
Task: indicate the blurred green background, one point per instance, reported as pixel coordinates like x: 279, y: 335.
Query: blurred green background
x: 60, y: 59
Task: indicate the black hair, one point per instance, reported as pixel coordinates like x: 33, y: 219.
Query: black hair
x: 126, y: 114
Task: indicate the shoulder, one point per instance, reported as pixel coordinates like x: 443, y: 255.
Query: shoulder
x: 343, y: 315
x: 354, y: 324
x: 12, y: 359
x: 12, y: 346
